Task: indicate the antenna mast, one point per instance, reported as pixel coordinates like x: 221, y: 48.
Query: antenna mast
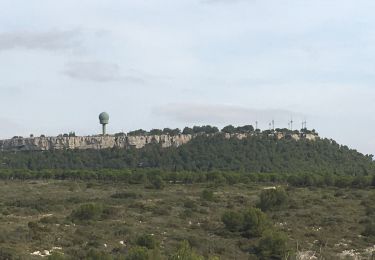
x: 304, y: 125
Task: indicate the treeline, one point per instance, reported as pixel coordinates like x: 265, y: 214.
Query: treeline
x: 157, y: 178
x: 207, y: 129
x: 254, y: 154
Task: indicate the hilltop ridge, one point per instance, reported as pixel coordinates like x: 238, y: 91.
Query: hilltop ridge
x: 227, y: 150
x: 140, y: 138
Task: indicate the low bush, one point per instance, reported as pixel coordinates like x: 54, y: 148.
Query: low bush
x: 87, y: 212
x: 109, y: 213
x: 369, y: 229
x: 155, y: 182
x: 190, y: 204
x: 185, y: 252
x: 272, y: 245
x: 125, y: 195
x: 49, y: 220
x: 56, y: 256
x: 162, y: 210
x: 147, y: 241
x: 232, y: 220
x: 255, y: 222
x: 207, y: 195
x: 98, y: 255
x: 251, y: 222
x: 137, y: 253
x: 272, y: 199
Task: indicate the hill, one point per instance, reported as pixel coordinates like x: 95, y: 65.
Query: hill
x: 260, y: 153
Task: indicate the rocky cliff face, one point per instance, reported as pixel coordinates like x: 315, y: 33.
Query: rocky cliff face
x: 111, y: 141
x: 89, y: 142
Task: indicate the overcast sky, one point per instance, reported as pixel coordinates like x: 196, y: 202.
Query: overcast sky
x: 168, y: 63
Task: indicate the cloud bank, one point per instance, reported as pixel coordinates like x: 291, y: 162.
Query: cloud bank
x: 98, y: 72
x: 52, y: 40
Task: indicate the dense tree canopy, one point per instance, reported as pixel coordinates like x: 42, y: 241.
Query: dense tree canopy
x: 255, y: 154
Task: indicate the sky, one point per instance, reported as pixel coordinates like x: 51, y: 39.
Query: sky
x: 167, y: 63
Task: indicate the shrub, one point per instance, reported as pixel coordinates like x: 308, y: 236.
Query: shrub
x: 251, y: 222
x: 56, y: 256
x: 49, y: 220
x: 272, y: 245
x: 161, y: 210
x: 156, y: 182
x: 369, y: 229
x: 124, y: 195
x: 272, y: 199
x: 190, y: 204
x: 207, y: 195
x: 185, y: 252
x: 232, y: 220
x: 87, y: 212
x: 137, y: 253
x: 6, y: 253
x: 186, y: 213
x: 254, y: 222
x: 97, y: 255
x: 109, y: 213
x: 147, y: 241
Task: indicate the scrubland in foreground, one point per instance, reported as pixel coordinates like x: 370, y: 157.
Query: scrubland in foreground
x: 115, y: 220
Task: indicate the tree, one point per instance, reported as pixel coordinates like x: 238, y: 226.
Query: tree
x: 137, y: 253
x: 255, y: 222
x: 207, y: 195
x: 175, y: 131
x: 147, y: 241
x: 251, y: 222
x: 245, y: 129
x: 272, y: 198
x: 187, y: 131
x: 137, y: 132
x: 87, y: 212
x: 272, y: 245
x: 233, y: 221
x: 228, y: 129
x: 209, y: 129
x: 167, y: 131
x: 185, y: 252
x: 156, y: 132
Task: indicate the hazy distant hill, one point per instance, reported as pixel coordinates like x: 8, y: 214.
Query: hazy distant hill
x: 259, y: 153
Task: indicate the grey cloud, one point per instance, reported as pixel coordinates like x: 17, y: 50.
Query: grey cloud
x: 99, y: 72
x: 50, y: 40
x: 226, y: 114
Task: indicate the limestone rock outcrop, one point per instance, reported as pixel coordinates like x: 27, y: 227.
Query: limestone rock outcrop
x: 118, y: 141
x: 89, y: 142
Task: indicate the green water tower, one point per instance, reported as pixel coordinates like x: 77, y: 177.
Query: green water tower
x: 104, y: 118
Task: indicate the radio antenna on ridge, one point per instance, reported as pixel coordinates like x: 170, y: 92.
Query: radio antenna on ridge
x: 291, y: 124
x: 304, y: 124
x: 256, y: 125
